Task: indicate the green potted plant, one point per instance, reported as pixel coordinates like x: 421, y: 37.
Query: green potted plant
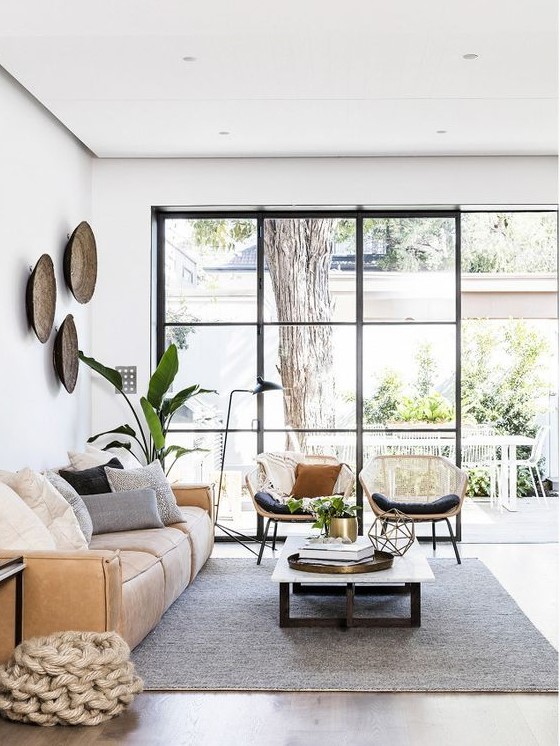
x: 334, y: 515
x: 150, y: 435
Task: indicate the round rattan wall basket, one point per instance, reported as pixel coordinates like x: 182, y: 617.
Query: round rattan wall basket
x: 66, y: 360
x: 80, y: 263
x: 40, y: 298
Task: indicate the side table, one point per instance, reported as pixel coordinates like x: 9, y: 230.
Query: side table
x: 14, y: 568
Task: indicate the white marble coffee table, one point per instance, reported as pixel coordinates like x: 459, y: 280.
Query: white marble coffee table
x: 405, y: 577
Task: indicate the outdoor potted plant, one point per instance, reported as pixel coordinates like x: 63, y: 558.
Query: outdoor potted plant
x: 334, y: 516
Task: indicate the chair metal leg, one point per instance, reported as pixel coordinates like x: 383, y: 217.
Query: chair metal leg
x: 259, y: 558
x: 274, y: 535
x: 453, y: 541
x: 434, y: 535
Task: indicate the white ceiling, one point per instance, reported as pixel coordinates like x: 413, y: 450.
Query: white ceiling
x: 291, y: 78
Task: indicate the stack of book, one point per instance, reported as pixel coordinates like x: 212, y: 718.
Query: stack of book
x: 337, y: 554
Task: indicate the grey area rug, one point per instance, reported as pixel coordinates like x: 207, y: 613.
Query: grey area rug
x: 223, y: 634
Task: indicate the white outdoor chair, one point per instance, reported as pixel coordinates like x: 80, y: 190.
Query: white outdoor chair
x: 257, y: 481
x: 412, y: 484
x: 532, y: 462
x: 483, y: 457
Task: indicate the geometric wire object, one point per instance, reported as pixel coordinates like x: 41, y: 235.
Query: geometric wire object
x: 392, y: 532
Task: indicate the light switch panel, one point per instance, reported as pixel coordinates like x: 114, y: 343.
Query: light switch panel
x: 128, y: 373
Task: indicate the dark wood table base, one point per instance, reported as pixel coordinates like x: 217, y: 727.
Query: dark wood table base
x: 350, y: 590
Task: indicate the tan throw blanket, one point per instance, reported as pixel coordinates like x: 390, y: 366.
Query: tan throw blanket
x: 280, y: 471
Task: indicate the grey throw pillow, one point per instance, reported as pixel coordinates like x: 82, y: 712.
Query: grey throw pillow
x: 123, y: 511
x: 76, y: 503
x: 148, y: 476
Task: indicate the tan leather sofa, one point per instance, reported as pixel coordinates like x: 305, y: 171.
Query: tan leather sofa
x: 125, y: 581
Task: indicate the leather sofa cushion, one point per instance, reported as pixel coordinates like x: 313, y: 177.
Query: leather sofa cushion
x: 155, y: 541
x: 198, y: 526
x: 134, y: 564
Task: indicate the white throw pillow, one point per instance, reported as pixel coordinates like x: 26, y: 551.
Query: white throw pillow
x: 49, y: 506
x: 20, y: 528
x: 96, y: 457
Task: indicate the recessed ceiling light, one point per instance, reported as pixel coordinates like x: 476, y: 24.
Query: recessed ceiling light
x: 224, y: 132
x: 470, y: 56
x: 441, y: 132
x: 189, y: 59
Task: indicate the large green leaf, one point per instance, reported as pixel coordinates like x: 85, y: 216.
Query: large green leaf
x: 153, y: 423
x: 111, y: 375
x: 163, y: 377
x: 121, y: 430
x: 170, y: 406
x: 178, y: 451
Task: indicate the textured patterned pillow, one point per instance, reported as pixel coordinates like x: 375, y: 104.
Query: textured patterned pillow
x: 76, y: 503
x: 148, y: 476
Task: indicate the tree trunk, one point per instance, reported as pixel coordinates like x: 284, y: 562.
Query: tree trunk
x: 298, y: 253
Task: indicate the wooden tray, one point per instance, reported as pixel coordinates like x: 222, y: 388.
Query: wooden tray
x: 381, y: 561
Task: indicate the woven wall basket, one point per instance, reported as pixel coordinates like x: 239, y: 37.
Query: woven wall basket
x: 80, y: 263
x: 40, y: 298
x: 66, y: 359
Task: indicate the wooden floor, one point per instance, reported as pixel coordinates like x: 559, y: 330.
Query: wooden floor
x: 528, y: 572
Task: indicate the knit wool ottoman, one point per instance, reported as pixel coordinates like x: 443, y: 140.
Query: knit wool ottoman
x: 68, y: 678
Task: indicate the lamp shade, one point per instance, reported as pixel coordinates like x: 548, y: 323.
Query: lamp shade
x: 263, y: 386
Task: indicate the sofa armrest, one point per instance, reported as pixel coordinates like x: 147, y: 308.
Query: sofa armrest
x: 198, y: 495
x: 74, y: 590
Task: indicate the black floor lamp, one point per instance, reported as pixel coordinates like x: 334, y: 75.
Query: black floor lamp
x: 261, y: 388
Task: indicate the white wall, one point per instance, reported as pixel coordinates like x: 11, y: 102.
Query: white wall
x: 125, y: 190
x: 45, y: 191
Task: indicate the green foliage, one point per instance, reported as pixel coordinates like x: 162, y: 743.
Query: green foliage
x: 432, y: 407
x: 412, y: 244
x: 502, y: 374
x: 157, y: 410
x: 382, y: 406
x: 324, y: 509
x: 426, y: 369
x: 179, y: 335
x: 478, y: 484
x: 223, y: 233
x: 508, y: 242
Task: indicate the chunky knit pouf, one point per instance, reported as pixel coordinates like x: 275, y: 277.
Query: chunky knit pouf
x: 68, y: 678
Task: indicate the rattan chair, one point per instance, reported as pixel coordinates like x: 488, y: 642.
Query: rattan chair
x: 416, y: 479
x: 257, y: 481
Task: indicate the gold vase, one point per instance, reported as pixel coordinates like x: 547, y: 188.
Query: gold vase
x: 344, y: 528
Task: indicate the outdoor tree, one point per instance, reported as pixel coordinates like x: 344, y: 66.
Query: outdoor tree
x: 427, y: 368
x: 298, y: 256
x: 508, y: 242
x: 504, y: 374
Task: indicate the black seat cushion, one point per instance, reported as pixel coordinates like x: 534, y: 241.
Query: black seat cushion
x: 441, y: 505
x: 272, y: 505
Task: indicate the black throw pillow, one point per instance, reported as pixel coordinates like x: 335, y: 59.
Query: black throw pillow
x: 90, y: 481
x: 441, y: 505
x: 272, y: 505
